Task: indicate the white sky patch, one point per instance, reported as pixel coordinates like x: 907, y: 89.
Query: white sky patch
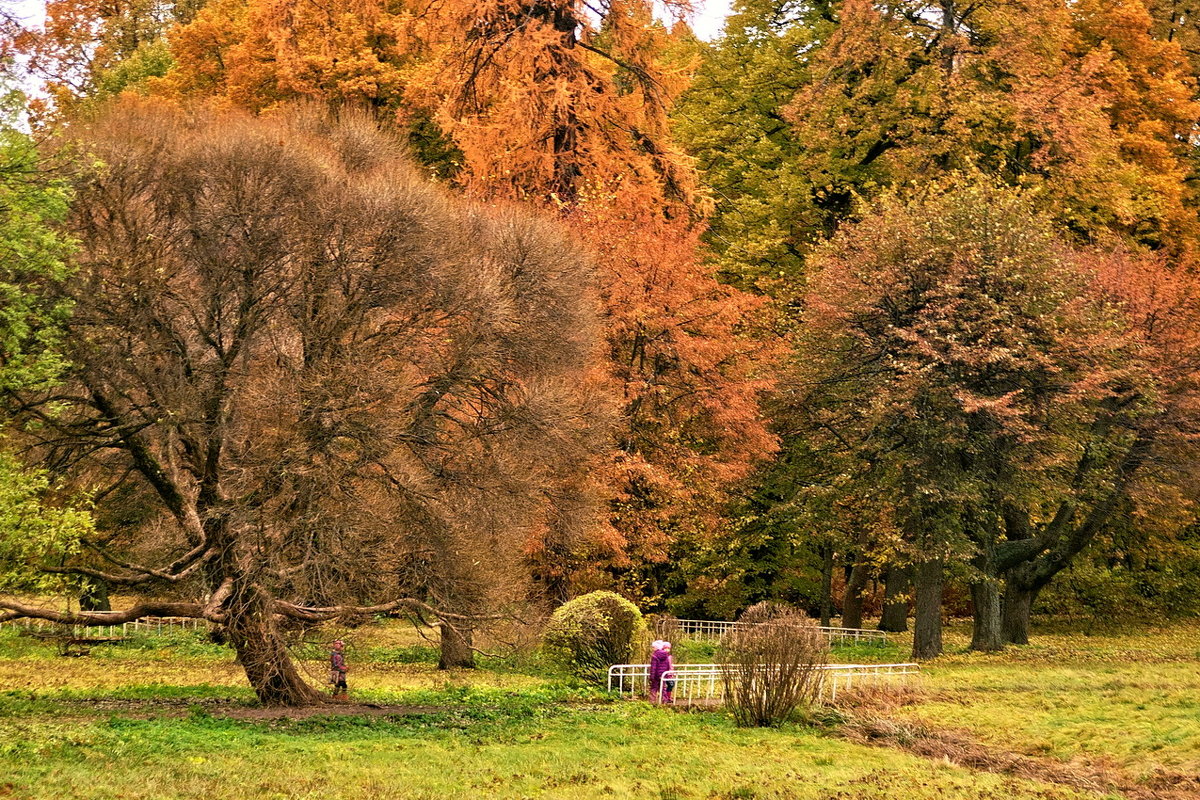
x: 710, y: 19
x: 31, y: 12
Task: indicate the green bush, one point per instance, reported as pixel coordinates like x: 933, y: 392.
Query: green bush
x: 591, y: 633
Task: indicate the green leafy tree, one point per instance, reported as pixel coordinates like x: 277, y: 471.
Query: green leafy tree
x: 732, y: 120
x: 954, y: 352
x: 33, y: 531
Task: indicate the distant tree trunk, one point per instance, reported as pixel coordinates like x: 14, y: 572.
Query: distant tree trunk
x: 95, y: 597
x: 263, y: 654
x: 986, y: 635
x: 456, y: 652
x: 1018, y: 605
x: 985, y: 594
x: 895, y: 601
x: 852, y: 601
x: 826, y: 585
x: 927, y: 622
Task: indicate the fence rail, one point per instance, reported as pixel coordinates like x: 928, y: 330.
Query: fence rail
x: 714, y: 630
x: 146, y: 625
x: 704, y: 684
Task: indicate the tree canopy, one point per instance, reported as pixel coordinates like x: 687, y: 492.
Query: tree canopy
x: 321, y: 383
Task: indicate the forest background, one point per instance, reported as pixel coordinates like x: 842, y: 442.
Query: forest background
x: 861, y: 306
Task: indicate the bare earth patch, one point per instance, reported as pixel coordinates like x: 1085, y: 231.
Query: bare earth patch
x: 86, y: 708
x: 330, y: 710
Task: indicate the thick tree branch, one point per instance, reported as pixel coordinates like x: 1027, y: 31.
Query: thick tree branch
x: 16, y: 610
x: 178, y: 571
x: 315, y: 614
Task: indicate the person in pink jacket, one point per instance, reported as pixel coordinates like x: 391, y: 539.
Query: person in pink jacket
x: 660, y: 664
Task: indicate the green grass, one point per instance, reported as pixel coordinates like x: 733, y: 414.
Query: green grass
x: 145, y: 719
x: 498, y: 749
x: 1129, y: 698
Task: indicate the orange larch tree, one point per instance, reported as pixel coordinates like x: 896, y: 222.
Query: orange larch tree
x: 588, y: 137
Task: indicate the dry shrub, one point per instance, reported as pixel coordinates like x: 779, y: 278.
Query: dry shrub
x: 884, y: 697
x: 771, y: 664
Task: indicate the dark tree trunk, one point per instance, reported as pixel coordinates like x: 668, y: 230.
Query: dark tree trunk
x: 264, y: 656
x: 826, y: 585
x: 456, y: 652
x: 927, y: 621
x: 895, y: 600
x: 986, y: 635
x: 95, y: 597
x: 1018, y: 604
x: 852, y: 601
x: 985, y: 596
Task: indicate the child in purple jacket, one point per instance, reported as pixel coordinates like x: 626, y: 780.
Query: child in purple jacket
x: 338, y: 669
x: 660, y: 664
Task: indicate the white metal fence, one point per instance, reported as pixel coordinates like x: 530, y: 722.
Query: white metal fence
x: 714, y: 630
x: 634, y: 679
x: 144, y: 626
x: 703, y: 684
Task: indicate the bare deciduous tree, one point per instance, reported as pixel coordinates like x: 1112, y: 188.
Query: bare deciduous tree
x: 332, y: 388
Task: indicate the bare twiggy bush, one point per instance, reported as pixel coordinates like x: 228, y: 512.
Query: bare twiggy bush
x: 307, y: 384
x: 771, y: 664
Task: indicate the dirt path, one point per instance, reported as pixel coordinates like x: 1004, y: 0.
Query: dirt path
x: 330, y: 710
x: 93, y: 708
x: 958, y: 747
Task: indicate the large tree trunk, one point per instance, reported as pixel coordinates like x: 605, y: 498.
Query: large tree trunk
x: 895, y: 601
x: 1018, y: 604
x: 456, y: 652
x: 826, y: 585
x: 986, y: 635
x: 985, y: 594
x: 927, y: 622
x: 264, y: 656
x: 852, y: 601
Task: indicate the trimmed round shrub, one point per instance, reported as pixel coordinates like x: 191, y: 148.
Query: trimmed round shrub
x: 591, y: 633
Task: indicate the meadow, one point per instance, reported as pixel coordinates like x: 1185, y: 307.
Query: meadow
x: 1110, y: 715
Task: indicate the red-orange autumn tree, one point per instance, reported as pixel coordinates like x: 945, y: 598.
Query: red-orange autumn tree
x: 588, y: 136
x: 563, y: 105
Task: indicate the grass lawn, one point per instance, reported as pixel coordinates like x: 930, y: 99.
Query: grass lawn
x: 1128, y: 699
x: 151, y: 719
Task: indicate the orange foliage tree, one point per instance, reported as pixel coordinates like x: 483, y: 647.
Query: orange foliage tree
x: 587, y: 136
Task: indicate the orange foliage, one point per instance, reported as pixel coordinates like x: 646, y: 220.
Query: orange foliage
x: 549, y: 105
x: 542, y: 103
x: 257, y: 53
x: 1077, y: 99
x: 687, y: 373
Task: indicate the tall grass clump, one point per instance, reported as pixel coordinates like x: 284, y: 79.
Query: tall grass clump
x: 771, y: 664
x: 590, y: 633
